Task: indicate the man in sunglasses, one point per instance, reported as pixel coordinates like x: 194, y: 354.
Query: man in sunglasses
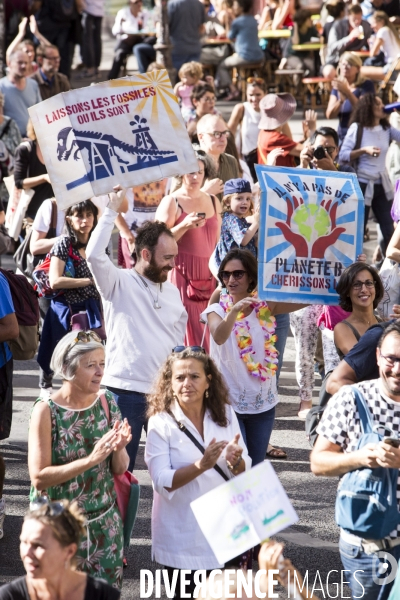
x: 336, y: 453
x: 144, y: 314
x: 321, y: 152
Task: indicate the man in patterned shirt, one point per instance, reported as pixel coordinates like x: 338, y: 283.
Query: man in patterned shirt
x: 334, y: 455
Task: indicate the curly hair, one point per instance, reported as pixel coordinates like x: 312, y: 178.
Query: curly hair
x: 363, y: 112
x: 192, y: 68
x: 346, y: 281
x: 86, y: 206
x: 162, y: 396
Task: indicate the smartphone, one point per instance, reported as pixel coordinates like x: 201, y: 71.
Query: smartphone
x: 391, y: 441
x: 201, y: 215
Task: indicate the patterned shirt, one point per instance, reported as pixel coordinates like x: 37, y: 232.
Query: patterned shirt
x: 61, y: 249
x: 233, y: 230
x: 340, y: 423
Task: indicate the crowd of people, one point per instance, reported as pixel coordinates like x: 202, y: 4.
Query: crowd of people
x: 171, y: 339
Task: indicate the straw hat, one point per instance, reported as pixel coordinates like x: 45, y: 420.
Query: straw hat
x: 276, y: 109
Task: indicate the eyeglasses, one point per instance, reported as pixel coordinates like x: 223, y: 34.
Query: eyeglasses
x: 357, y: 285
x: 256, y: 80
x: 225, y: 275
x: 330, y: 149
x: 52, y: 57
x: 218, y: 134
x: 391, y: 360
x: 53, y: 508
x: 208, y: 99
x: 178, y: 349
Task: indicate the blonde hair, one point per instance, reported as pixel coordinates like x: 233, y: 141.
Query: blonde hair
x: 380, y: 15
x: 30, y: 131
x: 154, y: 66
x: 226, y: 204
x: 192, y: 68
x: 354, y: 61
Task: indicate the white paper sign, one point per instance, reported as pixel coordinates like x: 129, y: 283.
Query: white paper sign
x: 128, y: 131
x: 244, y: 511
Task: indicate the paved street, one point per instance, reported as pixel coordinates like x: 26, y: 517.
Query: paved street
x: 311, y: 543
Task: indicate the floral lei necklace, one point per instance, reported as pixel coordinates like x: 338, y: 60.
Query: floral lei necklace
x: 244, y: 341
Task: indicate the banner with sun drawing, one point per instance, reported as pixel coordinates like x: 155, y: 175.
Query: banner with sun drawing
x: 128, y: 131
x: 311, y: 228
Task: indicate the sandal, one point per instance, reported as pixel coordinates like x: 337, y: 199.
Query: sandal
x: 276, y: 453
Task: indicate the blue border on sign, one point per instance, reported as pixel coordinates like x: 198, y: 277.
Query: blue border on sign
x: 331, y: 298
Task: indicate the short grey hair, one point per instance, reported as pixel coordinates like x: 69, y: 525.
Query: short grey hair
x: 68, y: 353
x: 207, y: 121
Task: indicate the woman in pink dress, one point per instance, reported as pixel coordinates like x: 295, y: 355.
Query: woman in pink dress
x: 195, y: 220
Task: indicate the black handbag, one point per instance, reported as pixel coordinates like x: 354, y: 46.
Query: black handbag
x: 7, y: 244
x: 25, y: 261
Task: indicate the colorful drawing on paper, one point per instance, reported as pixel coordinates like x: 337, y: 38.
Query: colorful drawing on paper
x: 311, y: 229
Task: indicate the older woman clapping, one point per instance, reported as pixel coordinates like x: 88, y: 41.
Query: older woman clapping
x: 50, y: 537
x: 190, y: 392
x: 74, y: 450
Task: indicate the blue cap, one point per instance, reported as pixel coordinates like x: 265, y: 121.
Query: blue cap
x: 237, y: 186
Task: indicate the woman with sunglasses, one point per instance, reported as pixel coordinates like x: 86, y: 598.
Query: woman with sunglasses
x: 247, y: 116
x: 193, y: 445
x: 243, y: 344
x: 50, y: 537
x: 360, y: 290
x: 75, y: 447
x: 194, y: 218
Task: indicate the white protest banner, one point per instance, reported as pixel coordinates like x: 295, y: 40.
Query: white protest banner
x: 244, y: 511
x: 128, y: 131
x: 311, y: 229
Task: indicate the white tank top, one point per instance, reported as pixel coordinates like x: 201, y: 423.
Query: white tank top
x: 250, y: 130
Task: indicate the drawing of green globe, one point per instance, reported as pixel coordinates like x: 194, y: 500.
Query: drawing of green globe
x: 311, y: 221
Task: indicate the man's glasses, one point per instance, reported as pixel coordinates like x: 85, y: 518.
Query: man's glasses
x: 357, y: 285
x: 257, y: 80
x: 225, y: 275
x: 178, y: 349
x: 391, y: 360
x: 218, y: 134
x: 54, y: 509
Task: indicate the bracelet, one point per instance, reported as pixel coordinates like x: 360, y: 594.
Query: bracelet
x: 235, y: 466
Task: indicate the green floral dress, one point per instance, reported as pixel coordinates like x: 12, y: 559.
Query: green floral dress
x: 74, y: 434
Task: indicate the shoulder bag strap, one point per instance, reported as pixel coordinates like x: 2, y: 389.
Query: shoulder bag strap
x: 363, y: 410
x: 105, y: 406
x: 197, y: 444
x: 6, y: 128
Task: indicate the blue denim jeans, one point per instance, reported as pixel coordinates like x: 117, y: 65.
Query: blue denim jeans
x: 179, y: 59
x: 364, y: 568
x: 133, y: 407
x: 256, y: 430
x: 282, y: 330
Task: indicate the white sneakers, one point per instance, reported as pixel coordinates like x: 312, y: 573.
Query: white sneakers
x: 2, y: 516
x: 45, y: 393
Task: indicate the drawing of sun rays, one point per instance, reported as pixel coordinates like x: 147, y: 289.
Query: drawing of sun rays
x: 159, y: 80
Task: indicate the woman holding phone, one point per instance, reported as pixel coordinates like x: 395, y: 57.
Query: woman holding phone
x: 194, y: 218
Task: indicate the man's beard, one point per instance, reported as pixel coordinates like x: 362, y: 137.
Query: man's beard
x: 155, y: 273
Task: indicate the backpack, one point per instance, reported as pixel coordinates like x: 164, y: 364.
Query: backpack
x: 366, y: 503
x: 26, y: 307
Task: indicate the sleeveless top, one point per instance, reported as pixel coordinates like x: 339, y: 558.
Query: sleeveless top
x: 249, y: 129
x: 357, y: 335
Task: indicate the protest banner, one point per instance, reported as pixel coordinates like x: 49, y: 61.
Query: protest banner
x: 311, y: 229
x: 127, y: 131
x: 244, y: 511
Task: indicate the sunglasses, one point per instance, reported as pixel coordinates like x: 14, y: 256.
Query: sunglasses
x: 225, y: 275
x: 54, y: 509
x: 178, y: 349
x: 86, y: 336
x: 257, y: 80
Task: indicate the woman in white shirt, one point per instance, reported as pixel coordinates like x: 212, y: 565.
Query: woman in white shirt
x: 387, y: 40
x: 243, y: 344
x: 189, y: 392
x: 369, y: 157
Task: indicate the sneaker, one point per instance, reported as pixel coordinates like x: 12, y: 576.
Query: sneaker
x: 2, y: 516
x: 45, y: 393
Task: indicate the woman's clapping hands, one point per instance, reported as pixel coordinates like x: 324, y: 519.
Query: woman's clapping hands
x: 212, y: 454
x: 123, y: 436
x: 233, y: 451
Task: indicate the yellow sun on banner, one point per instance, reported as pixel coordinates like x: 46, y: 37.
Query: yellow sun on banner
x: 160, y: 81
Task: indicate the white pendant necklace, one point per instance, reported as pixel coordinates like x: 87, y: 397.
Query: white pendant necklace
x: 147, y: 287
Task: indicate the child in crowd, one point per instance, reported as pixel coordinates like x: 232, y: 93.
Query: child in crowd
x: 190, y: 74
x: 239, y: 224
x: 303, y: 32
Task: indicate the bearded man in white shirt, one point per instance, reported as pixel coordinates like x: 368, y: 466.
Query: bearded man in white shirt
x: 144, y: 314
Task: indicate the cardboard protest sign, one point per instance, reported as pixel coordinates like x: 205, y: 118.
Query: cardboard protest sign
x: 244, y: 511
x: 311, y: 229
x: 128, y: 131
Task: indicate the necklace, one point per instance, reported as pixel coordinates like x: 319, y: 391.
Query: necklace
x: 147, y: 287
x: 244, y: 341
